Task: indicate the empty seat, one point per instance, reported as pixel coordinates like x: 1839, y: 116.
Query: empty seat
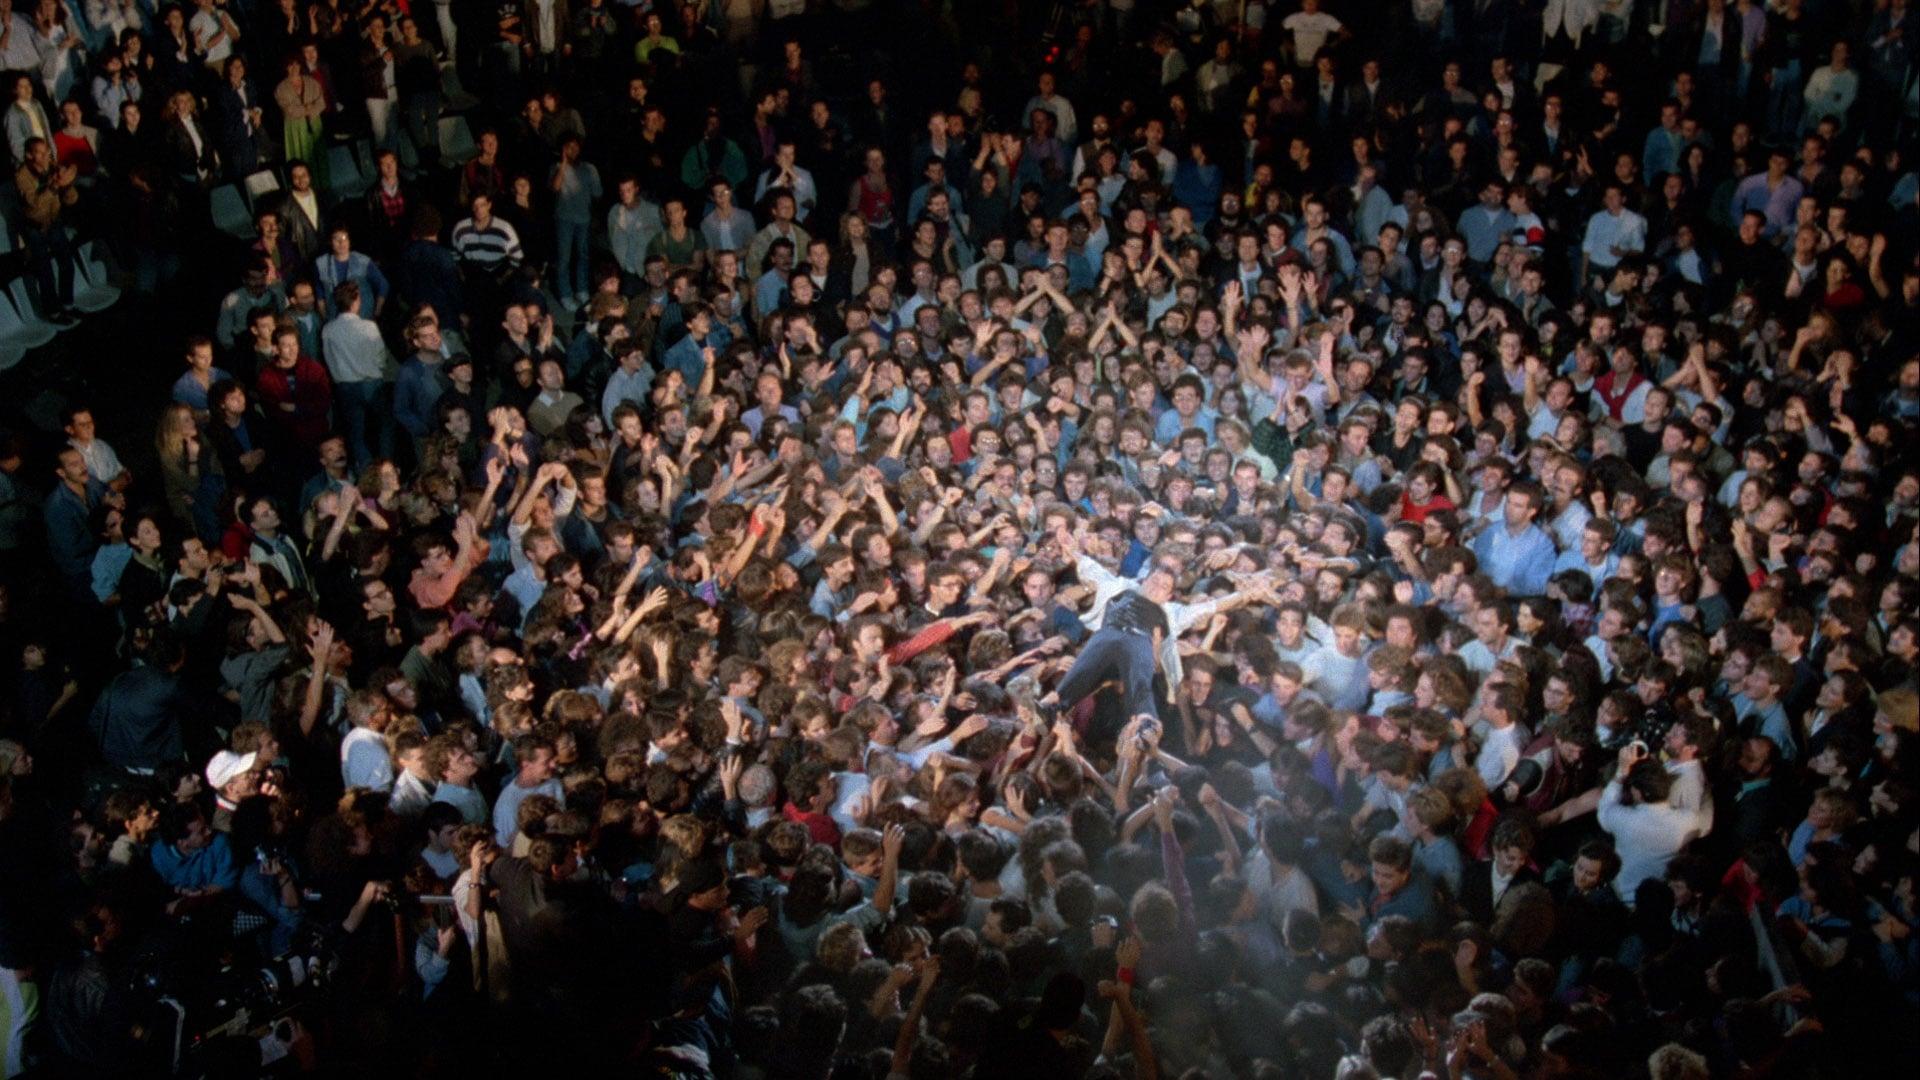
x: 409, y: 155
x: 456, y: 141
x: 93, y: 288
x: 20, y: 321
x: 344, y: 176
x: 15, y: 338
x: 259, y: 185
x: 230, y: 213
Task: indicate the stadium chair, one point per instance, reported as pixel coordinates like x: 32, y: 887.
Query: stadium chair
x: 93, y: 290
x: 259, y: 185
x: 13, y: 343
x: 344, y: 175
x: 230, y: 214
x: 409, y: 156
x: 456, y: 141
x: 20, y: 322
x: 452, y: 93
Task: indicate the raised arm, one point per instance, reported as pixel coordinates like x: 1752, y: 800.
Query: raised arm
x: 320, y: 648
x: 929, y: 973
x: 890, y: 843
x: 342, y: 513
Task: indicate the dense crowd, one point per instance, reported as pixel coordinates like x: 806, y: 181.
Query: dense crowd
x: 859, y: 538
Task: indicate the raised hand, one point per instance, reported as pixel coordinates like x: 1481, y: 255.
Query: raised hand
x: 320, y: 642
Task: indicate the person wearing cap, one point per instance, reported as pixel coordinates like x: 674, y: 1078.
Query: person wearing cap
x: 231, y: 777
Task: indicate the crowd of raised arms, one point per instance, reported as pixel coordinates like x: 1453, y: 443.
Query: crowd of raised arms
x: 913, y: 539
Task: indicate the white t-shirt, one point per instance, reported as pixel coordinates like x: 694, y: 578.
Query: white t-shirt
x: 1499, y: 753
x: 1310, y: 33
x: 205, y: 25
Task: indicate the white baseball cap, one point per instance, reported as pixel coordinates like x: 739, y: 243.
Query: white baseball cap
x: 225, y: 766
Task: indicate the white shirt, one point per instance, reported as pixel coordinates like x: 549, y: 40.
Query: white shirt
x: 1626, y: 231
x: 543, y: 35
x: 1310, y: 33
x: 411, y: 795
x: 1499, y: 753
x: 1647, y: 837
x: 193, y: 132
x: 1501, y: 883
x: 1293, y: 892
x: 102, y: 463
x: 1690, y: 793
x: 309, y: 204
x: 205, y: 26
x: 355, y: 350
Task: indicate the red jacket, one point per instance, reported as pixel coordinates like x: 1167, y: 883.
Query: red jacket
x: 308, y: 391
x: 820, y: 827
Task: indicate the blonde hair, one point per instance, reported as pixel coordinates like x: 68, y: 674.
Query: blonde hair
x: 170, y: 435
x: 1901, y: 707
x: 840, y: 947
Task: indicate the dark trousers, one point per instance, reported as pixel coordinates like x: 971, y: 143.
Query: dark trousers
x: 1113, y: 655
x: 363, y: 412
x: 50, y: 255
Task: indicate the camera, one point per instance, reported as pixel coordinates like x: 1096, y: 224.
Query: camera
x: 194, y: 1005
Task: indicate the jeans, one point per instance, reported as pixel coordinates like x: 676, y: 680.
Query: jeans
x: 1113, y: 655
x: 151, y: 266
x: 421, y: 113
x: 357, y: 401
x: 1784, y: 102
x: 570, y: 265
x: 503, y: 70
x: 50, y: 251
x: 207, y: 503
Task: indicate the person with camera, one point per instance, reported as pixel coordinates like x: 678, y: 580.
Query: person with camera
x: 1647, y: 829
x: 271, y: 909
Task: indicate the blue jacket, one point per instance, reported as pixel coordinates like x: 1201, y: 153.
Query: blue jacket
x: 70, y: 538
x: 329, y: 273
x: 211, y: 865
x: 416, y: 390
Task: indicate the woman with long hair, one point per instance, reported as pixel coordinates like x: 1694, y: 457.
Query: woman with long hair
x: 303, y: 109
x: 872, y: 197
x: 190, y: 470
x: 236, y: 119
x: 193, y: 156
x: 852, y: 262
